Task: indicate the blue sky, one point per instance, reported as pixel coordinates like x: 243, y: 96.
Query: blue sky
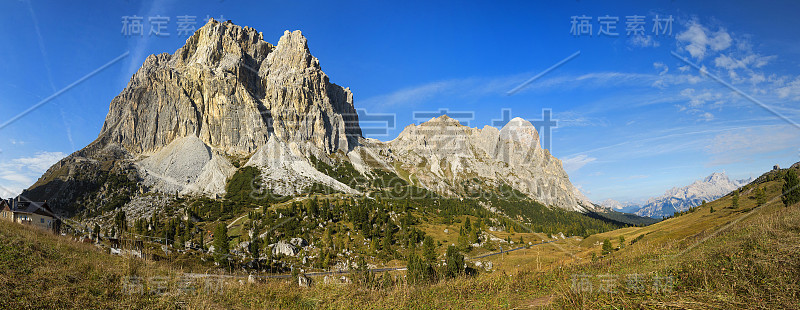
x: 633, y: 119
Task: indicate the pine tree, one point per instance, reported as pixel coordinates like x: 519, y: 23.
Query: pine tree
x: 607, y: 247
x: 429, y: 250
x: 761, y: 196
x: 221, y: 243
x: 313, y: 207
x: 255, y: 247
x: 416, y: 269
x: 735, y: 199
x: 455, y: 262
x: 96, y: 231
x: 791, y: 188
x: 387, y: 238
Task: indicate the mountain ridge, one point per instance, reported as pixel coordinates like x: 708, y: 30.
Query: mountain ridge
x: 677, y: 199
x: 227, y: 99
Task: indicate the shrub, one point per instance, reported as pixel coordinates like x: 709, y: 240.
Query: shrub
x: 791, y: 188
x: 455, y: 262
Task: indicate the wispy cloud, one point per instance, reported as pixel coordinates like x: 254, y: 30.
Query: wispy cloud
x: 573, y: 163
x: 452, y: 88
x: 19, y: 173
x: 498, y: 85
x: 742, y: 145
x: 139, y: 44
x: 575, y: 119
x: 415, y: 95
x: 643, y: 41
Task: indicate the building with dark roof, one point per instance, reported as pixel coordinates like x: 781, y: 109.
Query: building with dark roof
x: 37, y: 214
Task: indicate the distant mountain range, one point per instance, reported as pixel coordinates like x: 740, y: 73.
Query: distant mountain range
x: 625, y: 207
x: 680, y: 199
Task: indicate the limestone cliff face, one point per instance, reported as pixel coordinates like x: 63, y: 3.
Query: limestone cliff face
x: 449, y: 158
x: 233, y: 90
x: 225, y: 93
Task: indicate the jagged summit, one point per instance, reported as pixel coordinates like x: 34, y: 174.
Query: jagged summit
x: 715, y: 177
x: 442, y: 120
x: 233, y: 90
x: 450, y: 158
x: 520, y: 131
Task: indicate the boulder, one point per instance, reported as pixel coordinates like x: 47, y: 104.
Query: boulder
x: 283, y: 247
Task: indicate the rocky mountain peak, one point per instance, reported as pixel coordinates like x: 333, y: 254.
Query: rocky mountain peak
x: 716, y: 177
x: 233, y: 90
x: 521, y: 131
x: 292, y: 52
x: 442, y: 120
x: 226, y: 91
x: 441, y: 152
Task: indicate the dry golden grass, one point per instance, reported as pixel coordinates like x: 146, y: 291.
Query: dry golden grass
x: 746, y: 257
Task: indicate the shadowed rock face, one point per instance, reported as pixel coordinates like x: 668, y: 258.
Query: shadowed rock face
x: 233, y: 90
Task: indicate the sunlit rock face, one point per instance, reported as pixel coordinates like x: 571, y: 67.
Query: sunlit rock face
x: 233, y: 90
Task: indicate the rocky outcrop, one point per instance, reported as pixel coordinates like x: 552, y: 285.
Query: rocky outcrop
x: 444, y: 156
x: 283, y: 248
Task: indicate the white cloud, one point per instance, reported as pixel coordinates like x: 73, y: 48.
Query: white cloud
x: 756, y: 78
x: 469, y: 87
x: 38, y: 163
x: 741, y: 145
x: 15, y: 177
x: 499, y: 85
x: 745, y: 63
x: 790, y: 89
x: 643, y: 41
x: 661, y: 67
x: 9, y: 191
x: 698, y: 39
x: 573, y: 119
x: 19, y: 173
x: 701, y: 101
x: 573, y: 163
x: 411, y: 95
